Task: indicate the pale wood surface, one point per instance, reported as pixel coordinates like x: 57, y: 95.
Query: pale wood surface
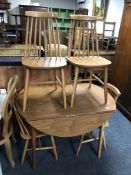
x: 6, y: 114
x: 83, y: 36
x: 45, y: 110
x: 27, y: 133
x: 89, y: 62
x: 39, y: 14
x: 44, y: 62
x: 115, y: 93
x: 45, y: 28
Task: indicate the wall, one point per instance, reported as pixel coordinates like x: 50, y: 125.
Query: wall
x: 114, y: 13
x: 69, y: 4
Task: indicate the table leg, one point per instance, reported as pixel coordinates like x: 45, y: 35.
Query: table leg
x: 90, y: 81
x: 63, y: 87
x: 33, y: 147
x: 105, y: 83
x: 26, y: 89
x: 75, y: 84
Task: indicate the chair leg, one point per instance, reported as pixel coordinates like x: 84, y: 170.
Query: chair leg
x: 108, y: 42
x: 105, y: 83
x: 9, y: 152
x: 75, y: 84
x: 54, y: 147
x: 100, y: 140
x: 24, y: 151
x: 33, y: 147
x: 27, y: 74
x: 90, y: 82
x: 55, y: 79
x: 39, y: 142
x: 79, y: 147
x: 63, y: 87
x: 104, y: 140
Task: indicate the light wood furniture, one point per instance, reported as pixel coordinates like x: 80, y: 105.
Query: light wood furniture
x: 25, y: 133
x: 109, y: 40
x: 6, y: 116
x: 121, y: 71
x: 115, y: 93
x: 83, y: 37
x: 45, y: 24
x: 45, y: 113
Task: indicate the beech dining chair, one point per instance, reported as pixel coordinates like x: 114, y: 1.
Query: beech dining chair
x: 42, y: 31
x: 83, y: 51
x: 25, y: 133
x: 115, y: 93
x: 6, y: 124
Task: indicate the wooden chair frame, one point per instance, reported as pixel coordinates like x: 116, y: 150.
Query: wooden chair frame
x: 6, y: 116
x: 88, y: 59
x: 115, y: 93
x: 25, y: 133
x: 106, y: 39
x: 45, y: 26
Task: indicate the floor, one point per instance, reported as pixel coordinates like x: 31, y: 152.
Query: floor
x: 115, y: 161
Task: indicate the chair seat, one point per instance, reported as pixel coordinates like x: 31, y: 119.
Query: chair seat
x: 44, y: 62
x: 92, y: 62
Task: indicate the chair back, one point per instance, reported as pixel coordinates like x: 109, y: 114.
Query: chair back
x: 108, y: 28
x: 42, y: 32
x: 113, y: 91
x: 83, y: 40
x: 6, y: 108
x: 23, y: 129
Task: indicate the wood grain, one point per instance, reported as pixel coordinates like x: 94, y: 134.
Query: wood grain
x: 45, y: 110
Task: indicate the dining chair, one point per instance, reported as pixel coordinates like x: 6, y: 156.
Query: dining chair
x: 115, y: 93
x: 6, y: 124
x: 83, y: 51
x: 42, y: 30
x: 109, y: 40
x: 25, y: 133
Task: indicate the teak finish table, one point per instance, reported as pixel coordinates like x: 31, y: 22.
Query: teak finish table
x: 45, y: 110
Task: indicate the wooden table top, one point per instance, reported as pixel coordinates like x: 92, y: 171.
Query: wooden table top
x: 45, y: 110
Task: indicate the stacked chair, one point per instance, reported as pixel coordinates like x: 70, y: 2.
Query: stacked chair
x: 83, y: 52
x: 86, y: 52
x: 42, y: 31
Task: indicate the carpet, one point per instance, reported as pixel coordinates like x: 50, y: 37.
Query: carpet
x: 116, y: 160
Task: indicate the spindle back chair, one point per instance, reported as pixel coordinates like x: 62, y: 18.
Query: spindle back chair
x: 83, y: 27
x: 42, y: 31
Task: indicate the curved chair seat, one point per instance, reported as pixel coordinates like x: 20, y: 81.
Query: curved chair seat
x: 89, y: 61
x: 44, y: 62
